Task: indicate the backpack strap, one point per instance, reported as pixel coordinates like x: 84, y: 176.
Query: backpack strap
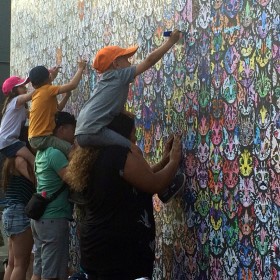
x: 57, y: 193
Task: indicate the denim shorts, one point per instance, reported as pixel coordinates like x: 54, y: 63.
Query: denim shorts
x: 15, y: 220
x: 12, y: 150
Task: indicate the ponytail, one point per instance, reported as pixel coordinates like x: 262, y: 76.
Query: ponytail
x: 10, y: 96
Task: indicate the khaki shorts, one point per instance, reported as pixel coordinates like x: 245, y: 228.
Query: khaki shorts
x: 51, y: 238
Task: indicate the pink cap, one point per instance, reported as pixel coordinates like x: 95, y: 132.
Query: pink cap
x: 13, y: 81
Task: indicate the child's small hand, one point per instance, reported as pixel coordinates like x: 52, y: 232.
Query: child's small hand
x: 175, y: 36
x: 54, y: 70
x: 82, y: 64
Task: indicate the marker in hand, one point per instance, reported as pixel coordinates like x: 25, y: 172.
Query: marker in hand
x: 168, y: 33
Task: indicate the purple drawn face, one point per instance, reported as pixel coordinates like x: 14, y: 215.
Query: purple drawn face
x: 247, y: 72
x: 231, y: 115
x: 216, y: 268
x: 149, y: 76
x: 230, y: 145
x: 218, y: 76
x: 202, y: 176
x: 204, y: 43
x: 231, y: 60
x: 232, y: 7
x: 246, y: 191
x: 203, y: 152
x: 191, y: 60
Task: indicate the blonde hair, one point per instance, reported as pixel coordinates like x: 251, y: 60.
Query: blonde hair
x: 80, y: 167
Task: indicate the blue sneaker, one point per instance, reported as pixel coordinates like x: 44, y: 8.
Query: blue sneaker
x: 177, y: 184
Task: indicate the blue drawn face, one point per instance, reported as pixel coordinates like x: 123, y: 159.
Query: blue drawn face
x: 246, y: 252
x: 230, y: 230
x: 232, y: 7
x: 231, y: 60
x: 263, y: 24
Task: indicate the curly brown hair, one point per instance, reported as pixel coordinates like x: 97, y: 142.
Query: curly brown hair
x: 79, y: 168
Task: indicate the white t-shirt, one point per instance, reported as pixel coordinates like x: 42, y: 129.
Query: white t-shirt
x: 11, y: 123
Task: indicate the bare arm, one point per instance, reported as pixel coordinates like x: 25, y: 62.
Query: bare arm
x: 138, y: 173
x: 64, y: 100
x: 23, y: 98
x: 157, y: 54
x: 75, y: 80
x: 24, y: 169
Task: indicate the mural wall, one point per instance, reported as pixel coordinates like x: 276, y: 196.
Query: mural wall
x: 219, y: 86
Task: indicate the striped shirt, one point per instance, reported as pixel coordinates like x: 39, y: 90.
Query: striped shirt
x: 19, y: 190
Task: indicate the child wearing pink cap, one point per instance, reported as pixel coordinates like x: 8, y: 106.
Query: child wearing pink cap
x: 14, y: 116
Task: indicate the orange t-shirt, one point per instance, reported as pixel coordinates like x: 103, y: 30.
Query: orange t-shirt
x: 42, y: 111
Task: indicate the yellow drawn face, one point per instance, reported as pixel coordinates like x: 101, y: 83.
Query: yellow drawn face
x: 246, y: 163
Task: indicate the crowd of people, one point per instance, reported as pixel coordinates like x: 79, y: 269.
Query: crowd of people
x: 94, y: 159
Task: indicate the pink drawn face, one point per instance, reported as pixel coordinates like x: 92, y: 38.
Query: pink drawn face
x: 202, y: 176
x: 203, y: 126
x: 217, y: 133
x: 230, y: 171
x: 247, y: 219
x: 216, y: 268
x: 230, y: 116
x: 203, y: 152
x: 246, y: 191
x: 190, y: 164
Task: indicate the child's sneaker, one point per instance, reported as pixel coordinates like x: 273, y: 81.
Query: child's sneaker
x: 171, y: 191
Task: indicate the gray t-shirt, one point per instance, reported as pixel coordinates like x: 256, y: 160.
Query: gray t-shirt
x: 11, y: 123
x: 108, y: 100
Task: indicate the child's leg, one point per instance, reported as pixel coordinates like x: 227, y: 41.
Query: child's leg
x: 27, y: 155
x: 44, y: 142
x: 106, y: 137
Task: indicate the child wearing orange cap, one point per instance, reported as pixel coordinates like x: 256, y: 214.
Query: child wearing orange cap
x: 14, y: 115
x: 110, y: 95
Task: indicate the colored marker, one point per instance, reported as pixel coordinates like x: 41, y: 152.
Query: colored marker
x: 168, y: 33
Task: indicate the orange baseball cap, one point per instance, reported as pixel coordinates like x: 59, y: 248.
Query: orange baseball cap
x: 107, y: 55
